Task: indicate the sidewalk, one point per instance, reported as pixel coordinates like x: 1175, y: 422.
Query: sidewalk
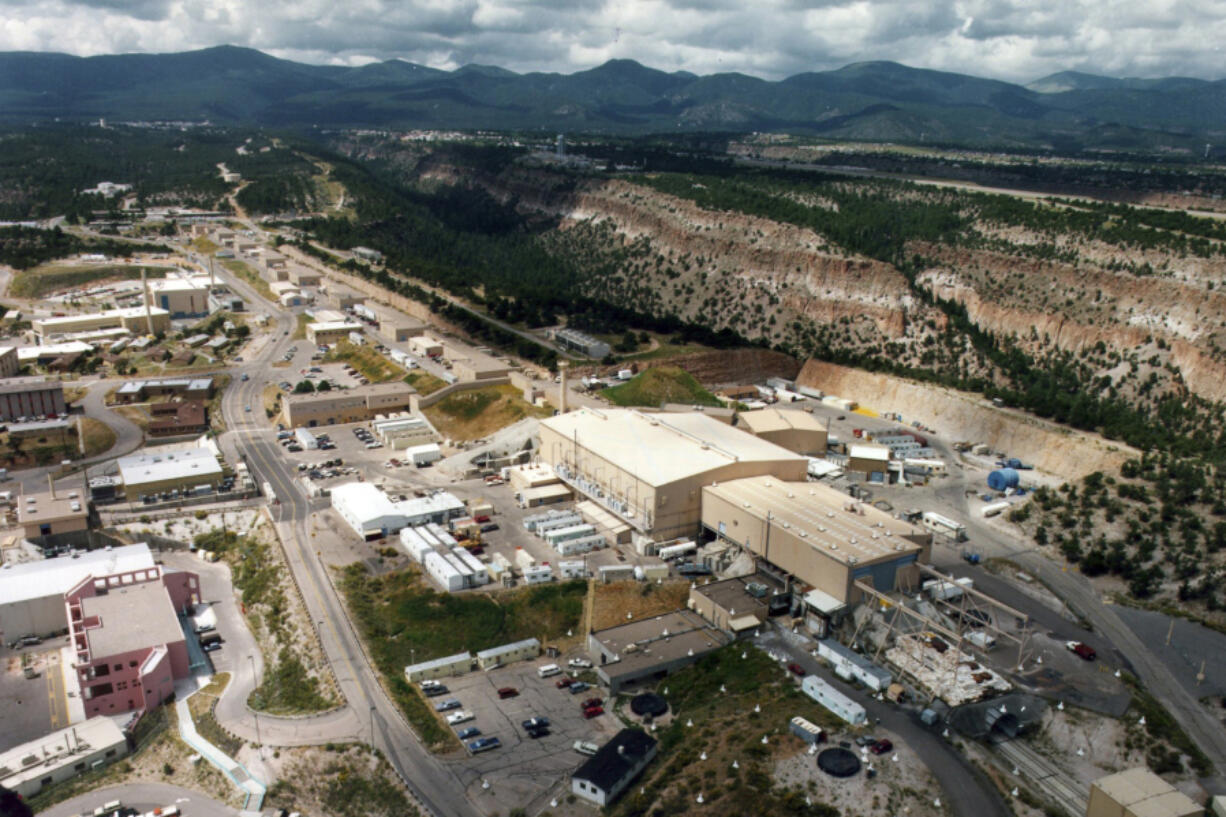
x: 230, y: 767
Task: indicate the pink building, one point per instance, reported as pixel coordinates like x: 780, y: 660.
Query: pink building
x: 130, y: 646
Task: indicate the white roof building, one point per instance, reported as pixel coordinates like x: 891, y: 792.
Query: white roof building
x: 62, y: 755
x: 195, y: 465
x: 372, y: 514
x: 32, y: 593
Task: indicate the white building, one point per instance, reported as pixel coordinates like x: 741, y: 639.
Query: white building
x: 445, y: 667
x: 851, y: 666
x: 372, y: 514
x: 525, y: 650
x: 29, y: 768
x: 832, y: 699
x: 32, y: 593
x: 148, y: 474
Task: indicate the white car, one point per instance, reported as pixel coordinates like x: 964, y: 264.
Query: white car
x: 459, y: 717
x: 579, y: 663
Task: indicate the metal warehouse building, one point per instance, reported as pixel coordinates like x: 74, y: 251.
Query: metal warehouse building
x: 797, y: 431
x: 649, y: 469
x: 817, y: 534
x: 149, y: 474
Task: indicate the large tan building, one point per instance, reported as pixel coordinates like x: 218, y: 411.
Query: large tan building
x: 469, y: 365
x: 1139, y: 793
x: 9, y: 363
x: 181, y: 297
x: 649, y: 469
x: 817, y: 534
x: 349, y: 406
x: 797, y: 431
x: 327, y: 333
x: 44, y: 514
x: 132, y: 318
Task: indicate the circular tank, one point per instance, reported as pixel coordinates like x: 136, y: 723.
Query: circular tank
x: 1002, y: 479
x: 838, y: 762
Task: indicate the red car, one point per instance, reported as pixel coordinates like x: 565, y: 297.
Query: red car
x: 593, y: 712
x: 881, y: 747
x: 1084, y: 651
x: 481, y: 518
x: 563, y: 683
x: 590, y: 702
x: 508, y: 692
x: 797, y: 668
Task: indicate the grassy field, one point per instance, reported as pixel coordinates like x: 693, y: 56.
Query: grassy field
x: 56, y: 445
x: 659, y: 385
x: 205, y: 246
x: 424, y: 382
x: 43, y: 280
x: 137, y: 414
x: 341, y: 780
x: 612, y: 601
x: 99, y: 437
x: 369, y: 363
x: 403, y: 620
x: 248, y: 274
x: 470, y: 415
x: 719, y: 694
x: 300, y: 329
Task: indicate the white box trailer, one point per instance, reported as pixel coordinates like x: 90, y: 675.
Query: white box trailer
x: 557, y: 535
x: 524, y: 559
x: 443, y: 572
x: 413, y: 544
x: 561, y: 520
x: 479, y: 575
x: 427, y: 454
x: 533, y: 521
x: 538, y: 574
x: 832, y: 699
x: 852, y: 666
x: 441, y: 535
x: 944, y: 525
x: 306, y: 439
x: 584, y: 544
x: 572, y: 569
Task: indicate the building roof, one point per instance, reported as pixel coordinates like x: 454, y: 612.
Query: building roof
x: 177, y: 285
x: 767, y: 420
x: 16, y: 385
x: 119, y: 608
x: 52, y: 350
x: 34, y: 509
x: 335, y: 326
x: 179, y: 383
x: 869, y: 452
x: 55, y: 577
x: 125, y: 312
x: 69, y: 745
x: 617, y: 759
x: 662, y: 448
x: 142, y: 469
x: 1146, y: 794
x: 733, y: 594
x: 687, y: 632
x: 503, y: 649
x: 820, y: 515
x: 445, y: 661
x: 364, y: 501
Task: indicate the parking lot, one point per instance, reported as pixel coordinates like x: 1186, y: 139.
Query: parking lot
x: 26, y: 703
x: 524, y: 768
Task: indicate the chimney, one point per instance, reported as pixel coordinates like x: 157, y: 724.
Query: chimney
x: 563, y: 365
x: 144, y: 285
x: 51, y: 485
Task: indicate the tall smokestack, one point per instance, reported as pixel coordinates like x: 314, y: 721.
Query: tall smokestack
x: 51, y: 485
x: 144, y: 285
x: 562, y: 366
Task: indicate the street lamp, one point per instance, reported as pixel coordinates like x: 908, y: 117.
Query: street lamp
x: 259, y: 742
x: 372, y: 726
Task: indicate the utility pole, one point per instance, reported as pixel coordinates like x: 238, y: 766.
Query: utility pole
x: 259, y: 742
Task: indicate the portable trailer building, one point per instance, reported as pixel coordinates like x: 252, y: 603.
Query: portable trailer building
x: 424, y: 454
x: 412, y: 542
x: 807, y: 731
x: 616, y: 573
x: 538, y: 574
x: 851, y: 665
x: 446, y: 667
x: 832, y: 699
x: 441, y: 535
x: 443, y: 571
x: 466, y: 574
x: 524, y: 559
x: 568, y: 520
x: 532, y: 521
x: 557, y: 535
x: 584, y: 544
x: 479, y: 575
x: 306, y: 439
x: 943, y: 524
x: 525, y: 650
x: 573, y: 569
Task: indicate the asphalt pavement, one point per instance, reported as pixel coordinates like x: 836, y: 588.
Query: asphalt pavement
x: 143, y: 796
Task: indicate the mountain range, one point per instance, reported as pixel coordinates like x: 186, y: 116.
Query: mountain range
x: 882, y: 101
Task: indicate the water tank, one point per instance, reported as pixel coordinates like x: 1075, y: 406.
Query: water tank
x: 1003, y: 479
x: 1013, y: 462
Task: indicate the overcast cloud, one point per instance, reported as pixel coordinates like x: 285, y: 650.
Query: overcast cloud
x: 1016, y: 41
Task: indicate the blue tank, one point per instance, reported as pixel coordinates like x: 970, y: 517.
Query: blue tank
x: 1002, y: 479
x: 1013, y: 462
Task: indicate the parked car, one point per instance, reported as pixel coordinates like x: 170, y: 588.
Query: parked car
x: 508, y: 692
x: 459, y: 717
x: 536, y: 723
x: 447, y: 705
x: 539, y: 732
x: 211, y: 646
x: 484, y: 745
x: 881, y: 747
x: 593, y: 712
x: 585, y: 747
x: 468, y: 732
x: 579, y: 663
x: 579, y: 686
x: 563, y: 683
x: 590, y: 702
x: 797, y: 669
x: 865, y: 740
x: 1084, y: 651
x: 488, y: 527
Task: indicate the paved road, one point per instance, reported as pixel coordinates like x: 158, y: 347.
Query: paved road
x: 143, y: 796
x: 963, y: 787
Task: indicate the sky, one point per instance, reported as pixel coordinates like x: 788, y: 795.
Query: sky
x: 1016, y: 41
